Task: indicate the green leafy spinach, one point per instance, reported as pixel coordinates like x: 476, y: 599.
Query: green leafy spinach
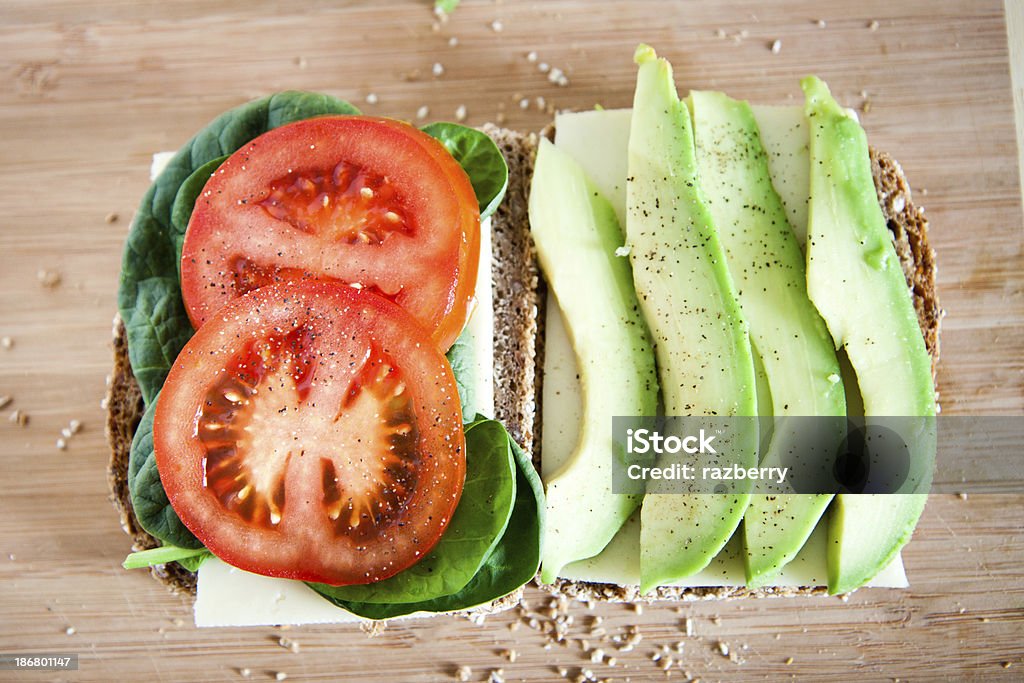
x: 481, y: 159
x: 476, y: 527
x: 511, y: 564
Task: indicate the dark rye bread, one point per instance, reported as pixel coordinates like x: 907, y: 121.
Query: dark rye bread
x: 518, y: 341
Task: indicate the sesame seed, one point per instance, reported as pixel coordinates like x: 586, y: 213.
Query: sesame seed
x: 66, y: 433
x: 723, y: 648
x: 422, y: 112
x: 372, y: 98
x: 49, y: 278
x: 460, y: 113
x: 281, y: 676
x: 437, y: 69
x: 524, y: 103
x: 540, y: 103
x: 245, y: 673
x: 111, y: 217
x: 497, y: 26
x: 70, y: 630
x: 776, y: 46
x: 453, y: 41
x: 820, y: 23
x: 544, y: 67
x: 961, y: 495
x: 7, y: 342
x: 873, y: 25
x: 789, y: 660
x: 5, y: 401
x: 366, y: 193
x: 719, y: 33
x: 75, y: 426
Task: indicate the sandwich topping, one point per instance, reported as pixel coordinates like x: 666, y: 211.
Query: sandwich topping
x: 312, y: 431
x: 359, y: 200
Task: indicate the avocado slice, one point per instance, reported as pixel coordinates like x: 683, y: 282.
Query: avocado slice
x: 855, y: 280
x: 615, y: 355
x: 795, y: 350
x: 688, y: 299
x: 784, y: 136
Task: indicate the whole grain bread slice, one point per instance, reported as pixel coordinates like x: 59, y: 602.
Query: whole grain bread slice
x: 518, y: 344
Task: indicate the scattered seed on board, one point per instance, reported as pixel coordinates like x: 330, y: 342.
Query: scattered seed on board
x: 873, y: 25
x: 7, y: 342
x: 372, y: 98
x: 75, y: 426
x: 789, y: 660
x: 281, y: 676
x: 453, y: 41
x: 49, y: 278
x: 4, y: 401
x: 723, y: 647
x: 820, y: 23
x: 62, y: 445
x: 776, y: 46
x: 460, y: 113
x: 70, y: 630
x: 497, y: 26
x: 19, y: 417
x: 463, y: 673
x: 437, y: 69
x: 423, y: 112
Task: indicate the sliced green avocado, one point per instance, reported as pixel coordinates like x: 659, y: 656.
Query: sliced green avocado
x: 855, y: 280
x: 689, y: 301
x: 794, y: 347
x: 577, y: 235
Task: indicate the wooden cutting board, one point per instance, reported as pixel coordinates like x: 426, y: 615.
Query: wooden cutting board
x: 91, y: 90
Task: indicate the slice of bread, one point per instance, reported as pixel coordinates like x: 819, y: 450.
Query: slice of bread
x: 518, y: 356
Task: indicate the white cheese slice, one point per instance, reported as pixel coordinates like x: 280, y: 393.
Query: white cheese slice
x: 227, y: 596
x: 619, y: 562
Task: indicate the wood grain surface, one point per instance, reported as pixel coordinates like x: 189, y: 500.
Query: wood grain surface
x: 91, y: 90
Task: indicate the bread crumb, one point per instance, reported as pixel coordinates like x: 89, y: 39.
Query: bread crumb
x: 497, y: 26
x: 19, y: 417
x: 873, y: 25
x: 301, y: 63
x: 372, y: 98
x: 7, y: 342
x: 497, y: 676
x: 422, y: 112
x: 70, y: 630
x: 544, y: 67
x: 460, y: 113
x: 463, y: 673
x: 723, y: 648
x: 719, y: 33
x: 597, y: 656
x: 820, y: 23
x: 453, y: 41
x: 62, y: 445
x: 638, y: 608
x: 111, y: 217
x: 75, y: 426
x: 776, y: 46
x: 531, y: 56
x: 4, y: 401
x: 437, y: 69
x: 245, y: 673
x: 281, y: 676
x: 962, y: 495
x: 49, y: 278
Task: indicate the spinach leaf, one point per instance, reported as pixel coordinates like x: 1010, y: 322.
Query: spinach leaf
x: 185, y: 202
x: 475, y: 529
x: 446, y: 6
x: 149, y: 499
x: 463, y: 361
x: 479, y: 157
x: 513, y: 562
x: 187, y: 557
x: 149, y: 297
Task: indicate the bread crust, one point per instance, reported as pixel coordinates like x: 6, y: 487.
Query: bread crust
x: 519, y: 295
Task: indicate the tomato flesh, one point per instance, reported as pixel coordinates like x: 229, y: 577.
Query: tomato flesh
x: 312, y: 431
x: 354, y: 199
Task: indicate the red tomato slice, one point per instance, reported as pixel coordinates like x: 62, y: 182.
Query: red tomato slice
x: 360, y: 200
x: 312, y: 431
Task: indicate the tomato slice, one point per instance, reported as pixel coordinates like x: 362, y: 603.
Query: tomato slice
x: 356, y: 199
x: 312, y: 431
